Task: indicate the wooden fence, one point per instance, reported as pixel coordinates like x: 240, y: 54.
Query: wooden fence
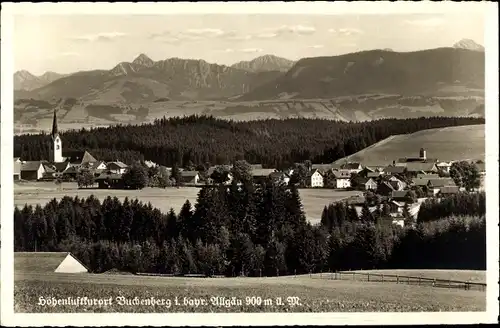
x: 400, y: 279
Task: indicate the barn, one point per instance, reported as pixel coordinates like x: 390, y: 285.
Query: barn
x: 46, y: 262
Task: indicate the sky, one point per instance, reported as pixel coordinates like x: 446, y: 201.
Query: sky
x: 70, y: 43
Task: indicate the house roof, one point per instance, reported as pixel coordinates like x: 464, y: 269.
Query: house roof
x: 325, y: 167
x: 256, y: 166
x: 420, y: 167
x: 399, y: 204
x: 441, y: 182
x: 60, y: 167
x: 40, y: 262
x: 189, y: 174
x: 352, y: 166
x: 310, y: 174
x: 420, y: 181
x: 118, y: 164
x: 112, y: 176
x: 387, y: 184
x: 79, y: 157
x: 49, y: 168
x: 31, y: 165
x: 399, y: 194
x: 449, y: 190
x: 341, y: 174
x: 394, y: 169
x: 373, y: 174
x: 371, y: 180
x: 262, y: 172
x: 72, y: 169
x: 427, y: 176
x: 278, y: 175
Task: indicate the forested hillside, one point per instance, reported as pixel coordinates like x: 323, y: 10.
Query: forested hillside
x: 204, y: 140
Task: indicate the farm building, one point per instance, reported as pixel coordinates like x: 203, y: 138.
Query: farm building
x: 352, y: 167
x: 110, y: 181
x: 17, y: 168
x: 280, y: 177
x: 79, y: 157
x: 32, y: 170
x: 45, y: 262
x: 190, y: 177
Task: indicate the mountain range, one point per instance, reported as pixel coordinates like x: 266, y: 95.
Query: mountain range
x: 356, y: 86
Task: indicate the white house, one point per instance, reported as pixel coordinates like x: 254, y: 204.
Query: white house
x: 371, y: 184
x: 315, y: 179
x: 117, y: 167
x: 444, y: 166
x: 342, y: 179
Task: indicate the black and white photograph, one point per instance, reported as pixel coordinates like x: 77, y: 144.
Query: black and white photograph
x: 252, y: 162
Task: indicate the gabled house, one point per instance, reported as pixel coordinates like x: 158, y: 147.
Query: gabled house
x: 212, y: 169
x: 79, y: 157
x: 341, y: 179
x: 352, y: 167
x: 261, y: 175
x: 116, y: 167
x: 71, y: 172
x: 314, y: 179
x: 190, y: 177
x: 32, y: 170
x: 280, y: 177
x: 416, y: 168
x: 371, y: 184
x: 435, y: 185
x: 396, y: 183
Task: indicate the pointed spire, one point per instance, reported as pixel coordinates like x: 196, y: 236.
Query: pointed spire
x: 55, y: 131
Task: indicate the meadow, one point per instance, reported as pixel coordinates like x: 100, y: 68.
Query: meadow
x: 298, y: 294
x: 33, y: 193
x: 445, y: 144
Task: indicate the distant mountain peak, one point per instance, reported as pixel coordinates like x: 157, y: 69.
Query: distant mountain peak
x: 143, y: 60
x: 469, y: 45
x: 266, y: 62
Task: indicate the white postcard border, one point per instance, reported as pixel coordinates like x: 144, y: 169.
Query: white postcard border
x: 9, y: 318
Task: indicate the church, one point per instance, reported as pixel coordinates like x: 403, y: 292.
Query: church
x: 60, y: 164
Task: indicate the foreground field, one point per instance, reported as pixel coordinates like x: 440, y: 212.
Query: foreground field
x: 42, y: 192
x: 461, y: 275
x: 313, y: 295
x: 446, y: 144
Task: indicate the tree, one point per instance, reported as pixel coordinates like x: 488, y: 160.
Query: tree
x: 242, y: 172
x: 85, y: 179
x: 220, y: 175
x: 466, y: 175
x: 175, y: 175
x: 136, y: 177
x: 366, y: 214
x: 299, y: 175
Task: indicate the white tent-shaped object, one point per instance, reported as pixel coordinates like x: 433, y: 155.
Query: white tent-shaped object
x: 45, y: 262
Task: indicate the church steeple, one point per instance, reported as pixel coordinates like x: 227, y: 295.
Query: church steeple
x: 56, y: 156
x: 55, y: 131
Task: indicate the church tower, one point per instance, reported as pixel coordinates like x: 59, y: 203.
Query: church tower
x: 56, y: 143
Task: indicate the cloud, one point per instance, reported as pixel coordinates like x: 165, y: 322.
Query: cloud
x: 346, y: 31
x: 251, y: 50
x: 426, y: 22
x: 316, y: 46
x: 206, y: 32
x: 295, y: 29
x: 266, y: 35
x: 104, y: 36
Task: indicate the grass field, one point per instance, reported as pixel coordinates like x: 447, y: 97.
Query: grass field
x: 314, y: 295
x: 42, y: 192
x: 446, y: 144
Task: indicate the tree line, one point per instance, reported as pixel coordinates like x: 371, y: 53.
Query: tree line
x: 240, y: 229
x: 200, y: 140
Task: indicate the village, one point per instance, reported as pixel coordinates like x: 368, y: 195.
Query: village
x: 403, y: 184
